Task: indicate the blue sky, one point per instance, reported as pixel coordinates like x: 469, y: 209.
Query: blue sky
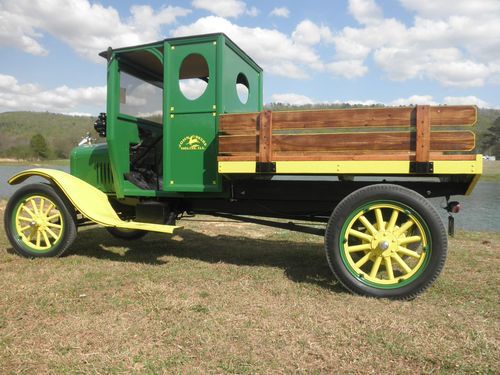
x: 359, y: 51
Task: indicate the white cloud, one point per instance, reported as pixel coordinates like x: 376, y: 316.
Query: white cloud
x: 280, y: 12
x: 275, y: 51
x: 87, y: 28
x: 452, y: 42
x: 307, y: 32
x: 291, y: 98
x: 225, y: 8
x: 414, y: 100
x: 365, y: 11
x: 15, y: 97
x: 466, y: 100
x: 348, y: 68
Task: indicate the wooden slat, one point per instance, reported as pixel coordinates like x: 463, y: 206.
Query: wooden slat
x: 239, y: 123
x: 292, y: 156
x: 396, y: 141
x: 238, y: 143
x: 265, y: 136
x: 464, y: 115
x: 344, y: 118
x: 423, y: 133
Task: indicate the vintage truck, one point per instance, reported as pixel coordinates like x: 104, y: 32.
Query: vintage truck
x: 186, y: 133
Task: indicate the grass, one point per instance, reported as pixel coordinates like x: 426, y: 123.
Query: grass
x: 226, y: 297
x: 491, y: 170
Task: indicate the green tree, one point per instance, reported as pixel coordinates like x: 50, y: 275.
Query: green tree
x: 491, y: 140
x: 39, y: 146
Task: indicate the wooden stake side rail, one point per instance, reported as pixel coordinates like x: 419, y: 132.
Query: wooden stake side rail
x: 418, y: 134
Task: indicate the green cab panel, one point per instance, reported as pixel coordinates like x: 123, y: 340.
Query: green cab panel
x: 91, y: 164
x: 190, y: 154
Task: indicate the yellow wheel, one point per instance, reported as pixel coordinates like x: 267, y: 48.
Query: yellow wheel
x: 39, y: 222
x: 386, y: 241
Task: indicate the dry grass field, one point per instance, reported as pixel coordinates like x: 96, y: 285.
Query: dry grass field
x: 226, y: 297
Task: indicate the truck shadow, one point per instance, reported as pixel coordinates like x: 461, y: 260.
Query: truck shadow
x: 302, y: 262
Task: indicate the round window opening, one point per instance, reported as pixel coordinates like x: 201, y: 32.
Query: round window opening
x: 193, y: 76
x: 242, y: 88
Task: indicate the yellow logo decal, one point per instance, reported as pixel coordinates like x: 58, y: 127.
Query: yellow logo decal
x: 192, y: 143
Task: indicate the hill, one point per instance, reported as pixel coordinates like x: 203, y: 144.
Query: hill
x: 63, y: 132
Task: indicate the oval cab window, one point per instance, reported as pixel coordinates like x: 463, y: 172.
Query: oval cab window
x: 242, y: 88
x: 193, y: 76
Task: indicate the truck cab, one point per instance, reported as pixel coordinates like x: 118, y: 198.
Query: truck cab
x: 163, y: 103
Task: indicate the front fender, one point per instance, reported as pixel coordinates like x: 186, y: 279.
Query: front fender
x: 88, y: 200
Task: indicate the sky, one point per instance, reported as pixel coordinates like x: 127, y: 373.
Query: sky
x: 317, y: 51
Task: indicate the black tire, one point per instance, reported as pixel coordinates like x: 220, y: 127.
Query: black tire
x: 63, y: 216
x: 126, y: 234
x: 352, y: 255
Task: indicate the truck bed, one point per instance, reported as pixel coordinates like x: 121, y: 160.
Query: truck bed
x: 410, y: 141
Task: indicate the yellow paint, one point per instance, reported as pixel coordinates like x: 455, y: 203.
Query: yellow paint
x: 236, y: 167
x: 89, y: 201
x: 379, y: 167
x: 39, y: 223
x: 459, y: 166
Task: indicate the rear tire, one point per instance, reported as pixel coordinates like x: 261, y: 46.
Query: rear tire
x: 126, y: 234
x: 386, y: 241
x: 39, y: 221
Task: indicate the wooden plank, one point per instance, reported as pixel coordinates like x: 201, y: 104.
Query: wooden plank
x: 239, y: 123
x: 463, y: 115
x: 238, y: 143
x: 265, y: 136
x: 344, y: 118
x: 423, y: 133
x: 395, y: 141
x: 290, y: 156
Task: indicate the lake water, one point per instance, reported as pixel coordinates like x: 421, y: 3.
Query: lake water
x: 479, y: 212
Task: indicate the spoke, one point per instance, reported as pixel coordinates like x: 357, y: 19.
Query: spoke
x: 362, y: 261
x: 38, y: 238
x: 51, y: 232
x: 401, y: 262
x: 51, y: 206
x: 33, y: 204
x: 410, y: 253
x: 54, y: 216
x: 46, y: 238
x: 375, y: 267
x: 368, y: 225
x: 42, y: 203
x: 410, y: 239
x: 54, y: 225
x: 392, y: 220
x: 362, y: 247
x: 404, y: 228
x: 24, y: 228
x: 33, y: 216
x: 32, y: 233
x: 380, y: 219
x: 388, y: 268
x: 22, y: 218
x: 360, y: 235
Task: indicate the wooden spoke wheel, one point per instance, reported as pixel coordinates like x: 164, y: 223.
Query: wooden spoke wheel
x: 386, y: 241
x: 39, y: 222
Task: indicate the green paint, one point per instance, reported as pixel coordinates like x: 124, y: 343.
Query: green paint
x: 185, y: 171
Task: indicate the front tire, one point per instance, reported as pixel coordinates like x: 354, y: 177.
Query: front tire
x: 126, y: 234
x: 385, y: 241
x: 39, y: 221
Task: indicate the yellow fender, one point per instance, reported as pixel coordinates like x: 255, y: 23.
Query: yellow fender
x: 88, y: 200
